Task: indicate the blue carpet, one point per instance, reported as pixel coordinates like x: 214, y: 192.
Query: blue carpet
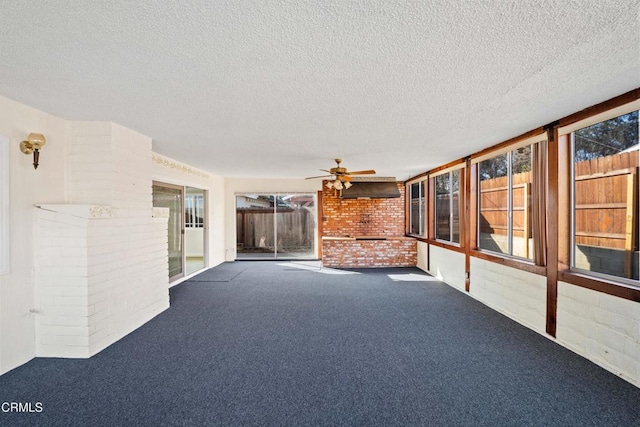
x: 262, y: 344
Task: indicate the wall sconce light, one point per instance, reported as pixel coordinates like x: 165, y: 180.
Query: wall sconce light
x: 33, y: 144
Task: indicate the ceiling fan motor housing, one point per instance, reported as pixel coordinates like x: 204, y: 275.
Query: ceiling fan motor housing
x: 338, y: 171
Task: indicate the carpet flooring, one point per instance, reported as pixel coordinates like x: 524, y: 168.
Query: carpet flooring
x: 258, y: 343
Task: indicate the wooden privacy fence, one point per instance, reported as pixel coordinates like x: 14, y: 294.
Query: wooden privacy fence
x: 255, y: 229
x: 494, y: 207
x: 445, y: 216
x: 606, y: 204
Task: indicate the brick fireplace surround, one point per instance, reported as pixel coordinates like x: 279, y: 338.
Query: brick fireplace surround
x: 365, y: 233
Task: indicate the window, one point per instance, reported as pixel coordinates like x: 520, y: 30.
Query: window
x: 417, y: 209
x: 194, y: 210
x: 447, y: 206
x: 504, y: 220
x: 605, y: 197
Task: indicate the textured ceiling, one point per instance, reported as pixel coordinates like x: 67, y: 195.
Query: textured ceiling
x: 279, y: 88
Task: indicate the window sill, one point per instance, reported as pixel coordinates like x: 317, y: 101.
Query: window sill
x: 516, y: 263
x: 416, y: 236
x: 606, y: 286
x: 445, y: 245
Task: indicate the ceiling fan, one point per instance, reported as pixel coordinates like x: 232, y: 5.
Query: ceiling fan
x: 342, y: 177
x: 341, y: 173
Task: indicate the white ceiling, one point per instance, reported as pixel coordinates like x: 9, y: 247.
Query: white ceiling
x: 279, y: 88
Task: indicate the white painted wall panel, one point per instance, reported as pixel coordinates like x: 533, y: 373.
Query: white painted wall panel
x: 27, y: 187
x: 516, y: 293
x: 423, y: 260
x: 603, y: 328
x: 447, y: 266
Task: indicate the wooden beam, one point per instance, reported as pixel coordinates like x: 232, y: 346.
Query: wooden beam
x: 431, y: 209
x: 553, y: 237
x: 601, y: 108
x: 465, y: 224
x: 525, y: 221
x: 320, y: 223
x: 598, y: 284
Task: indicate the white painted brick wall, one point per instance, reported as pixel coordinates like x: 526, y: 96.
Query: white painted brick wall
x: 101, y: 276
x: 422, y: 261
x: 447, y: 266
x: 601, y: 327
x: 516, y: 293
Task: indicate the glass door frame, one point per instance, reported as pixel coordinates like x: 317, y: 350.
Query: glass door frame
x: 181, y: 188
x: 205, y: 228
x: 275, y: 195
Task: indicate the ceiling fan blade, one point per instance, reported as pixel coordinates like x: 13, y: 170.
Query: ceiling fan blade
x: 345, y: 178
x: 367, y: 172
x: 321, y: 176
x: 324, y: 170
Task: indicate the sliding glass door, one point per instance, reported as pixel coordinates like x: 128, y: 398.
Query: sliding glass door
x: 187, y: 243
x: 270, y: 226
x: 172, y: 196
x: 194, y: 227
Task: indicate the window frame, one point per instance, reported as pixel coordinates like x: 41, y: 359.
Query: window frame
x: 510, y: 209
x: 569, y: 133
x: 461, y: 168
x: 194, y: 204
x: 423, y: 202
x: 537, y: 136
x: 450, y: 210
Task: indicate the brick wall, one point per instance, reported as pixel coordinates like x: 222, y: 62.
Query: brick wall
x: 363, y: 217
x: 399, y: 252
x: 366, y: 217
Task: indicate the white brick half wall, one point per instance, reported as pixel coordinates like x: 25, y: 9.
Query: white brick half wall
x: 422, y: 261
x: 516, y: 293
x: 102, y: 263
x: 602, y: 327
x: 446, y: 265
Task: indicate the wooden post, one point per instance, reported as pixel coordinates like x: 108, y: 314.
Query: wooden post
x: 629, y: 234
x: 525, y: 219
x: 465, y: 222
x: 320, y: 221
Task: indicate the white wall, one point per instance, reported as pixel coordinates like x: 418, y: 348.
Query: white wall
x: 27, y: 187
x: 422, y: 259
x: 601, y: 327
x: 170, y: 171
x: 446, y: 265
x: 516, y: 293
x: 257, y: 185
